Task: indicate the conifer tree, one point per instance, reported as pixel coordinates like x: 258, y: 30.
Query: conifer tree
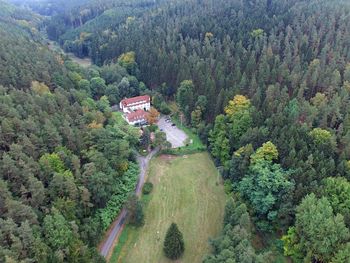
x: 174, y: 245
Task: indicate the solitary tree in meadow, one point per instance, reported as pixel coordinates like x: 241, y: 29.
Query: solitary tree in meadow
x: 174, y: 245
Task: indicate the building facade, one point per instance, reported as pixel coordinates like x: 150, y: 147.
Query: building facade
x: 136, y: 109
x: 135, y: 103
x: 138, y: 117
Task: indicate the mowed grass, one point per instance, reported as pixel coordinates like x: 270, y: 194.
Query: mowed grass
x: 187, y: 191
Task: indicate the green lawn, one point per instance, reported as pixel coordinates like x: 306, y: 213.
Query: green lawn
x: 186, y: 191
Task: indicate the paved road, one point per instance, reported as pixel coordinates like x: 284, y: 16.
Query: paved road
x: 118, y: 224
x: 174, y: 135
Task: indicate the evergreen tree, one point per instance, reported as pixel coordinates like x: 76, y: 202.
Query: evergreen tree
x: 174, y: 245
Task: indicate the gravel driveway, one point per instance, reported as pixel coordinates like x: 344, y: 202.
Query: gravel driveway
x: 174, y: 135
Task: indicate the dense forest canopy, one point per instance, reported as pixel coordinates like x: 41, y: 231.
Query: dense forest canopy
x: 66, y: 161
x: 264, y: 83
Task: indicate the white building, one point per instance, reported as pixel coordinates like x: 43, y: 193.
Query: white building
x: 136, y: 103
x: 138, y: 117
x: 135, y: 109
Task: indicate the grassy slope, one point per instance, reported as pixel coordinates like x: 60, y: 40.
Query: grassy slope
x: 186, y: 192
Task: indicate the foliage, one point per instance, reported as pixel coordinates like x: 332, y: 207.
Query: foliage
x: 267, y: 152
x: 185, y: 97
x: 228, y: 187
x: 128, y: 61
x: 257, y: 32
x: 320, y: 136
x: 342, y: 255
x: 219, y: 141
x: 65, y: 161
x: 147, y: 188
x: 164, y: 108
x: 238, y: 104
x: 145, y: 139
x: 125, y: 186
x: 160, y: 140
x: 224, y: 138
x: 234, y: 244
x: 282, y: 60
x: 268, y: 188
x: 319, y: 234
x: 337, y: 192
x: 57, y: 231
x: 174, y: 245
x: 152, y: 116
x: 40, y: 88
x: 135, y: 211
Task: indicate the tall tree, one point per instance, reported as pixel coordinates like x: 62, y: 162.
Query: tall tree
x: 318, y: 233
x: 185, y: 98
x: 174, y: 245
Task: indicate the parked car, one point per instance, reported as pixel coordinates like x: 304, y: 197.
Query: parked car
x: 173, y: 124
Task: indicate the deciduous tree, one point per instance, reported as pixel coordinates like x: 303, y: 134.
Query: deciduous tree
x: 152, y: 116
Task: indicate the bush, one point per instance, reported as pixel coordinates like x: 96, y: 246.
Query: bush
x: 152, y: 128
x: 135, y: 211
x: 147, y: 188
x: 228, y: 186
x: 164, y: 108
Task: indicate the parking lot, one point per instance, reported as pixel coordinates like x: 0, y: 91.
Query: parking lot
x: 174, y: 135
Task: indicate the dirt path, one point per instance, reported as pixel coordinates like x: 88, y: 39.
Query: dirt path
x: 107, y: 245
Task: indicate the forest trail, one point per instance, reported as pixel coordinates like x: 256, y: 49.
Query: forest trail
x: 111, y: 238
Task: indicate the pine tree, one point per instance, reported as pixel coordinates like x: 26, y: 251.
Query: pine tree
x: 174, y: 245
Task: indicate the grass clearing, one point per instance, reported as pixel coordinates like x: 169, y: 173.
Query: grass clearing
x: 186, y: 191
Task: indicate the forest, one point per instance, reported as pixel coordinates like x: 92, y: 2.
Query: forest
x: 264, y: 83
x: 67, y: 163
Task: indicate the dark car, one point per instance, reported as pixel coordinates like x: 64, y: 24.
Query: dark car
x: 173, y: 124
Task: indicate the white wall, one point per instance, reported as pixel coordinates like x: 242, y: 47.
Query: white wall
x: 146, y: 106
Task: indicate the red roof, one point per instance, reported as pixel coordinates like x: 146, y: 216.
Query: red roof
x: 136, y: 100
x: 136, y: 115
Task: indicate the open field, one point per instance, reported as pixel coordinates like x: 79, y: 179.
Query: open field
x: 186, y: 191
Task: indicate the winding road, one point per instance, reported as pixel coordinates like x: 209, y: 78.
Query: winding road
x: 107, y: 244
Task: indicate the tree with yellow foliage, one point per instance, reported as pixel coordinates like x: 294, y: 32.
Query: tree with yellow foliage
x: 229, y: 128
x: 95, y: 125
x: 237, y: 104
x: 40, y: 88
x: 267, y: 152
x: 128, y: 61
x: 152, y: 116
x: 320, y: 136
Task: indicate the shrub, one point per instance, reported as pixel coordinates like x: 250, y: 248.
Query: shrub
x: 164, y: 108
x: 147, y: 188
x: 152, y: 128
x: 135, y: 211
x: 228, y: 186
